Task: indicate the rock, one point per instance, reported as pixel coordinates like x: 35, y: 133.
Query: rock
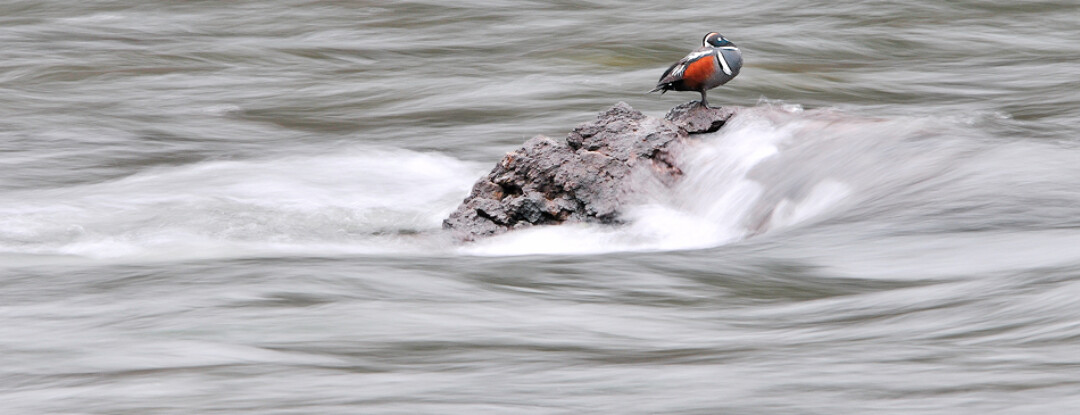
x: 694, y: 119
x: 588, y: 177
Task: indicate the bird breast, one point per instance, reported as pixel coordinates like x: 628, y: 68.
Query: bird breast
x: 726, y: 64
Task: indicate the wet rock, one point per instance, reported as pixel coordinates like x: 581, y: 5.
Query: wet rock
x: 587, y: 177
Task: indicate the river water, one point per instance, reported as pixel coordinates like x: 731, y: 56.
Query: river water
x: 234, y: 208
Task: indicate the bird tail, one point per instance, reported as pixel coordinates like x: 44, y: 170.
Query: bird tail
x: 662, y: 88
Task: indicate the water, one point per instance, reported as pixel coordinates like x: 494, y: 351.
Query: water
x: 235, y: 207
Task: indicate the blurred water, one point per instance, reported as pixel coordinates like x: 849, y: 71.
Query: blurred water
x: 234, y: 207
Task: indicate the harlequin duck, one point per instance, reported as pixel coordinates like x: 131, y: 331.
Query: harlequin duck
x: 713, y: 64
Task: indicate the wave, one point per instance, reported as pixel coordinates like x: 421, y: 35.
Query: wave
x: 359, y: 201
x: 774, y: 167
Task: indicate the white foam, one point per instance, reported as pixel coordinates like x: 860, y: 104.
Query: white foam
x: 822, y: 197
x: 359, y: 201
x: 368, y: 201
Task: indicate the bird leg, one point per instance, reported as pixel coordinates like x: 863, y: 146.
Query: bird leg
x: 704, y: 102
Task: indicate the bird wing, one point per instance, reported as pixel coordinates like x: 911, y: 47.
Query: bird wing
x: 675, y: 72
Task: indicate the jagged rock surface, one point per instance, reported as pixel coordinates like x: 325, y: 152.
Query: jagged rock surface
x: 588, y: 177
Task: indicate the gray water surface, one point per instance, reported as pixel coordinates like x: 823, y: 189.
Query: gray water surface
x: 234, y: 208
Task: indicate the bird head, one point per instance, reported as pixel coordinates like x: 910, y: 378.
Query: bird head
x: 715, y: 40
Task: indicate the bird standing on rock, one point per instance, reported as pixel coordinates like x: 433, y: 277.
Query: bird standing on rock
x: 715, y: 63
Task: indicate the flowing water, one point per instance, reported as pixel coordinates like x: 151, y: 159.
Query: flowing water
x: 234, y: 208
